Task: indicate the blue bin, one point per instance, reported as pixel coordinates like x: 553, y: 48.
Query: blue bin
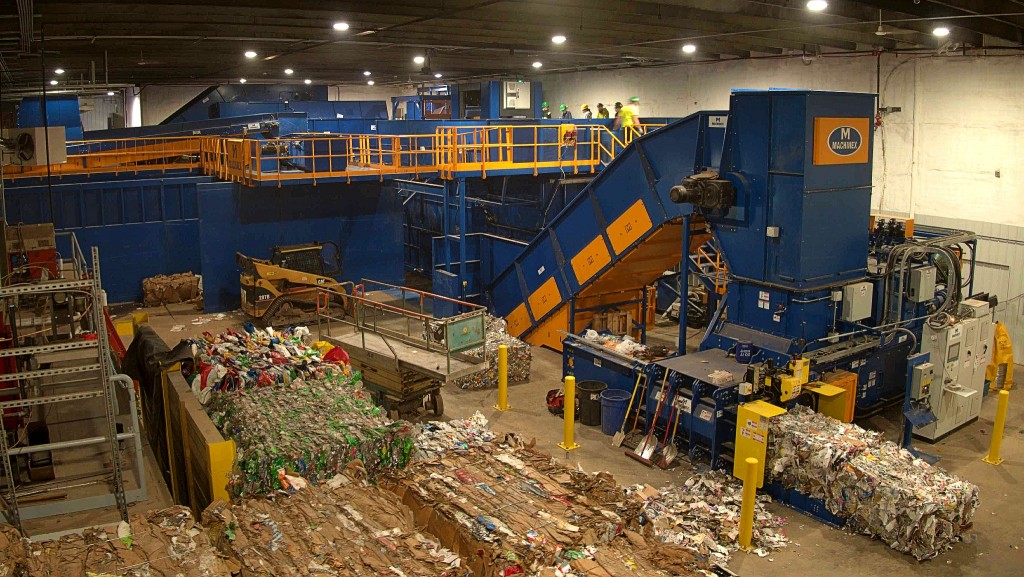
x: 613, y: 410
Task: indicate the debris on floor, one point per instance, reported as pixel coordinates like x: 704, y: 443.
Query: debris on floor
x: 511, y: 510
x: 342, y: 527
x: 166, y: 290
x: 520, y: 358
x: 879, y: 488
x: 165, y: 543
x: 438, y: 438
x: 703, y: 514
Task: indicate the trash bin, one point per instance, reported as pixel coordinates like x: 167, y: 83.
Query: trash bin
x: 589, y: 395
x: 614, y: 403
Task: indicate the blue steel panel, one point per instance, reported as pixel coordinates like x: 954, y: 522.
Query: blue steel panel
x: 366, y: 224
x: 153, y: 204
x: 447, y: 285
x: 132, y: 197
x: 112, y: 209
x: 172, y: 202
x: 789, y: 135
x: 70, y: 204
x: 622, y: 183
x: 496, y: 255
x: 189, y: 202
x: 506, y: 293
x: 615, y: 188
x: 92, y: 208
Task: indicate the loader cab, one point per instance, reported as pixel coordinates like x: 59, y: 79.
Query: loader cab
x: 321, y: 259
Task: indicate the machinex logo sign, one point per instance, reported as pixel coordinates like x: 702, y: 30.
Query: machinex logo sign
x: 841, y: 140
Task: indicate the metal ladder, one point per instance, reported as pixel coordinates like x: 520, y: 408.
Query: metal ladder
x: 107, y: 378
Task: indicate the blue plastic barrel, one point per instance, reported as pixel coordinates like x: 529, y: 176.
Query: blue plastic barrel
x: 613, y: 410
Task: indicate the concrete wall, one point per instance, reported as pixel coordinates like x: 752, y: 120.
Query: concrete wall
x: 366, y: 92
x: 101, y: 107
x: 159, y: 102
x: 962, y: 119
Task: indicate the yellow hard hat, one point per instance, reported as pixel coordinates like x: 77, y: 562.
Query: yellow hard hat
x: 585, y: 107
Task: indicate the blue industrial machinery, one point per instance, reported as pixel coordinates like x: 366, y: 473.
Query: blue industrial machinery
x: 815, y: 284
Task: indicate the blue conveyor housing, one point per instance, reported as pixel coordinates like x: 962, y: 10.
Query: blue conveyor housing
x: 618, y: 235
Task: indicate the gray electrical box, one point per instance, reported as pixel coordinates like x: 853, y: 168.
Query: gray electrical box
x: 922, y: 284
x: 857, y: 299
x: 921, y: 381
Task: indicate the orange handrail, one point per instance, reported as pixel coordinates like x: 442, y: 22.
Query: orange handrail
x: 449, y: 150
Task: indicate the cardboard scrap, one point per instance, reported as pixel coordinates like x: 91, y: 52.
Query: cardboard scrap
x: 165, y: 543
x: 509, y: 509
x: 345, y: 528
x: 879, y: 488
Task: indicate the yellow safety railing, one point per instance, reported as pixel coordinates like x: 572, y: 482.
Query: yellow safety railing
x: 118, y: 156
x: 719, y: 274
x: 449, y: 150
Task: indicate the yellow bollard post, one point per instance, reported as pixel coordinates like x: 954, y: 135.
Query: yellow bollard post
x: 502, y: 379
x: 747, y: 509
x: 569, y: 421
x: 997, y: 430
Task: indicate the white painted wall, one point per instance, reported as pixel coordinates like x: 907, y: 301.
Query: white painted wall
x: 965, y: 115
x: 97, y: 109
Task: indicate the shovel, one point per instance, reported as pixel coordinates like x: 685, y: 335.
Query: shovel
x: 649, y: 444
x: 617, y: 438
x: 670, y: 452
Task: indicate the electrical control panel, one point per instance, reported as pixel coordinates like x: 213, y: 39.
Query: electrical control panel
x: 958, y: 352
x: 921, y: 381
x: 921, y: 286
x: 857, y: 300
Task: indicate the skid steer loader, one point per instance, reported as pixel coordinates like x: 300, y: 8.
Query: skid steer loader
x: 283, y: 290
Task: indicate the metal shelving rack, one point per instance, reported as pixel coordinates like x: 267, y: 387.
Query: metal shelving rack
x: 107, y: 382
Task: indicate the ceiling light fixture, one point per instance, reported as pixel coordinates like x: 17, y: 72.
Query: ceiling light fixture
x: 558, y: 39
x: 689, y: 48
x: 419, y: 60
x: 307, y: 81
x: 53, y: 83
x: 250, y: 54
x: 817, y: 5
x: 538, y: 64
x: 59, y: 71
x: 438, y: 75
x: 941, y: 31
x: 367, y: 73
x: 370, y: 82
x: 289, y: 71
x: 242, y: 80
x: 341, y: 26
x: 110, y: 93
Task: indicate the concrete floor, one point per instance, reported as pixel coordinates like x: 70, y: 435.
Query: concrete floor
x: 996, y: 541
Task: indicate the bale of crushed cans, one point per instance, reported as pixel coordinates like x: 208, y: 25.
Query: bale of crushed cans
x: 879, y: 488
x: 520, y: 358
x: 291, y: 410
